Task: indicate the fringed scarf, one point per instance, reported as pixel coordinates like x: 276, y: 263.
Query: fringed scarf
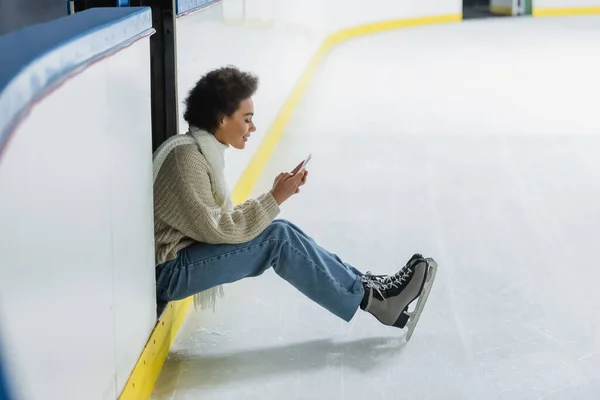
x: 214, y: 153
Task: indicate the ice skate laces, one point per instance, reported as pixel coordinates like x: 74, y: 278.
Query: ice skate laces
x: 381, y: 283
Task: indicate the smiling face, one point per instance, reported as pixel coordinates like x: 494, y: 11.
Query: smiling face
x: 235, y: 130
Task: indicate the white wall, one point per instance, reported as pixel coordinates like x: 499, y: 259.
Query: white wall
x: 357, y: 12
x: 565, y: 3
x: 77, y: 295
x: 330, y: 16
x: 275, y: 39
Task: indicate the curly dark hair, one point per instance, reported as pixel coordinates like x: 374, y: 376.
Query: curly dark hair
x: 217, y: 94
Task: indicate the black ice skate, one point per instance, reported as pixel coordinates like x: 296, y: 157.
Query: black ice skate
x: 389, y: 296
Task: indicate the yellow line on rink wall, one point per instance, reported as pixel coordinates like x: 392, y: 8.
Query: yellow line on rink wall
x: 145, y: 374
x: 141, y: 382
x: 376, y: 27
x: 564, y: 12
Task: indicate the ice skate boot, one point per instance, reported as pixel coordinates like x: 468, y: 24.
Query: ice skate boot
x: 388, y: 297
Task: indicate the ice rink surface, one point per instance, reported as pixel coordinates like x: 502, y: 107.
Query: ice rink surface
x: 474, y: 143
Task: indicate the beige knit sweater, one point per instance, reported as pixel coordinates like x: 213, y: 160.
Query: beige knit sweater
x: 186, y: 212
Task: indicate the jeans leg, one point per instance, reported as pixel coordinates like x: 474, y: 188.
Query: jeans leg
x: 357, y: 272
x: 318, y: 274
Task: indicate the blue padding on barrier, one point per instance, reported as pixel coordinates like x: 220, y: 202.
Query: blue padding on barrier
x: 36, y: 57
x: 183, y: 6
x: 4, y: 386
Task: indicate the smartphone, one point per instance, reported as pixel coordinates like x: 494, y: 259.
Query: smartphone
x: 305, y: 163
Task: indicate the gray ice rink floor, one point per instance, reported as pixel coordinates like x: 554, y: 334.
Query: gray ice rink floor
x: 475, y: 143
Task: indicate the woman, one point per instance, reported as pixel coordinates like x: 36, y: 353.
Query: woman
x: 202, y: 241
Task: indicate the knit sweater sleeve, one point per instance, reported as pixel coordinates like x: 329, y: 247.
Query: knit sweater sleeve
x: 186, y: 203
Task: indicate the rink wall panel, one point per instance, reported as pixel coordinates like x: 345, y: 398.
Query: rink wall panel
x: 77, y: 295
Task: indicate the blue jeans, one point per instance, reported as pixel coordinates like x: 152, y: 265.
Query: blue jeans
x: 315, y: 272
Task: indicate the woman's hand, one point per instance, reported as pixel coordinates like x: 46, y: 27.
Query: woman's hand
x: 288, y: 183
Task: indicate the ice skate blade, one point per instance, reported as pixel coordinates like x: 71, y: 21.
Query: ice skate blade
x: 416, y: 314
